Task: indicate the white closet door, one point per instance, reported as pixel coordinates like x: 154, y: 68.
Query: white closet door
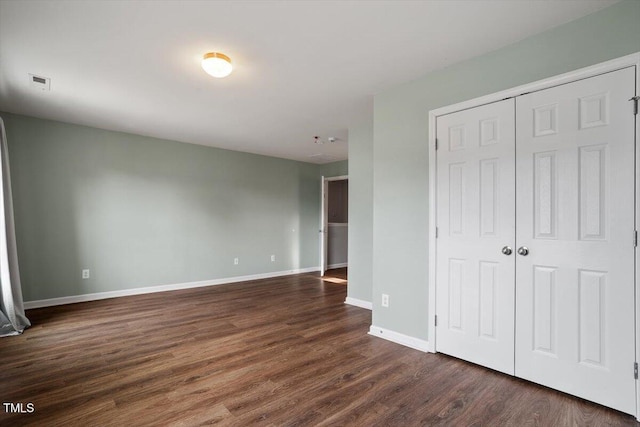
x: 475, y: 216
x: 575, y: 214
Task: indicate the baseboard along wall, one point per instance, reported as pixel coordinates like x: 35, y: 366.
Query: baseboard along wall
x: 399, y: 338
x: 341, y: 265
x: 359, y: 303
x: 161, y: 288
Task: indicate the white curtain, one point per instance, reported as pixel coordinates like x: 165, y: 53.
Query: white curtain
x: 12, y: 318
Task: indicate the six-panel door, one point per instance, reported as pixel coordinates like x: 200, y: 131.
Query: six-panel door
x: 575, y: 212
x: 561, y: 196
x: 476, y: 220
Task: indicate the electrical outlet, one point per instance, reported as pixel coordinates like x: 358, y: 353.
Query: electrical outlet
x: 236, y: 261
x: 273, y: 258
x: 86, y: 274
x: 385, y: 300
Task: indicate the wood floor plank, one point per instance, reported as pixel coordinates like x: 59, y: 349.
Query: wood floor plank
x: 274, y: 352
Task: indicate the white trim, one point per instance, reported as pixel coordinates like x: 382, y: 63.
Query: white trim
x: 161, y: 288
x: 324, y: 228
x: 340, y: 265
x: 338, y: 224
x: 582, y: 73
x: 399, y: 338
x: 433, y: 173
x: 359, y: 303
x: 637, y: 225
x: 337, y: 178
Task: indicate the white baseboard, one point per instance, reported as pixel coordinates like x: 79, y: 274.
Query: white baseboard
x: 341, y: 265
x: 359, y: 303
x: 399, y: 338
x: 161, y: 288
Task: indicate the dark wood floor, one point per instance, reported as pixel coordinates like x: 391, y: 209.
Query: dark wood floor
x: 336, y: 275
x: 284, y: 351
x: 339, y: 273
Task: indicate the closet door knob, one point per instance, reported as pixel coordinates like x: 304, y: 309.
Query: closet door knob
x: 507, y: 250
x: 523, y: 250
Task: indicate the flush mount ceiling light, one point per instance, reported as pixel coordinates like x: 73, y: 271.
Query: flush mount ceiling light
x: 216, y: 64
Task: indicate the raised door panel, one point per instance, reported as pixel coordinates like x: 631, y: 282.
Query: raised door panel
x: 476, y: 198
x: 575, y: 213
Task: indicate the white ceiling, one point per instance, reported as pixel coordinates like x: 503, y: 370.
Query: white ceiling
x: 302, y: 68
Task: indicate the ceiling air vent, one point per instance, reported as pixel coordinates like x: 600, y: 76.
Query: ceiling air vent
x: 39, y: 82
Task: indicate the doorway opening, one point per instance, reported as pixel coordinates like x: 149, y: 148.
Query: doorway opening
x: 334, y: 228
x: 336, y: 275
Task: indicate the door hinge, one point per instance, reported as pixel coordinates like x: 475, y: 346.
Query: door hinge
x: 437, y: 142
x: 635, y: 104
x: 635, y: 370
x: 436, y: 232
x: 436, y: 322
x: 635, y: 238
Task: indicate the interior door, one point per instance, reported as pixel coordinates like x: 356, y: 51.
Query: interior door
x: 324, y: 225
x: 476, y: 232
x: 575, y: 213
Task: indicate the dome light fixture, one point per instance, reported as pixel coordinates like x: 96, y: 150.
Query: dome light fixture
x: 217, y: 64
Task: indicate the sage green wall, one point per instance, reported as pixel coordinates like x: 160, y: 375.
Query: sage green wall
x: 335, y: 169
x: 400, y: 154
x: 140, y: 211
x: 361, y: 211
